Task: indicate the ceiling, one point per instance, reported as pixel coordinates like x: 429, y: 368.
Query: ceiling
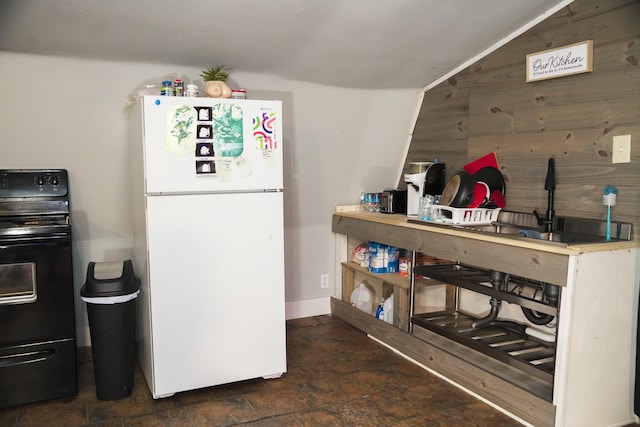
x: 346, y: 43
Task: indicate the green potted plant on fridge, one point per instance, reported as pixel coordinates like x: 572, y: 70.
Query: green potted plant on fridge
x: 215, y: 86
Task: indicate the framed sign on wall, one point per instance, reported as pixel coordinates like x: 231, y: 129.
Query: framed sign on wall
x: 562, y: 61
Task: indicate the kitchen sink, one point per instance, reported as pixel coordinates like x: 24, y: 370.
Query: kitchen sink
x: 566, y: 230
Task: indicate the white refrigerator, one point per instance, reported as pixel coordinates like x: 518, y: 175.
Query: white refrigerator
x: 208, y: 240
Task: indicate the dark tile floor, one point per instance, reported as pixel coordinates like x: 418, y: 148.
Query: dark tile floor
x: 336, y: 377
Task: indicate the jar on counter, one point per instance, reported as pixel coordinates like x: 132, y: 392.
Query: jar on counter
x: 239, y: 94
x: 166, y: 89
x: 178, y: 87
x: 192, y: 91
x: 404, y: 266
x: 370, y: 202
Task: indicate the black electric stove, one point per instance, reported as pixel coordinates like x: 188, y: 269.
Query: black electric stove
x: 37, y: 337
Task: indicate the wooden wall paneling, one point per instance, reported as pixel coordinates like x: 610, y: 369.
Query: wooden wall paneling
x: 582, y: 170
x: 502, y: 102
x: 582, y: 147
x: 572, y: 118
x: 488, y: 118
x: 442, y: 127
x: 552, y: 33
x: 582, y: 10
x: 601, y: 84
x: 445, y: 124
x: 589, y: 100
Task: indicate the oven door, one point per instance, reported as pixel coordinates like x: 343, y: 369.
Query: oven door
x: 36, y: 291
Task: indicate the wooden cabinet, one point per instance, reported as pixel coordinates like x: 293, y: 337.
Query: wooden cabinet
x: 592, y: 382
x: 392, y: 283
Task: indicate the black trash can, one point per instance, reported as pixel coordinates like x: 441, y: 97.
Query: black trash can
x: 110, y: 293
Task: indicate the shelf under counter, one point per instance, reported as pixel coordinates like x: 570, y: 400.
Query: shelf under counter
x: 477, y: 280
x: 391, y: 283
x: 395, y: 279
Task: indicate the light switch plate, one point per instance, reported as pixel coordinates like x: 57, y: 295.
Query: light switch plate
x: 621, y: 151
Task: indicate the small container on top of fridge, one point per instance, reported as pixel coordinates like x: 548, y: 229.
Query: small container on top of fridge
x: 239, y: 94
x: 167, y: 88
x: 178, y: 87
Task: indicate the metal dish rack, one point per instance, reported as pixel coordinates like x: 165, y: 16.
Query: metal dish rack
x: 500, y: 341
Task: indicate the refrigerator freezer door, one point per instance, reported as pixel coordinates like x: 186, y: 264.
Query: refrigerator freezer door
x: 216, y: 289
x: 211, y: 145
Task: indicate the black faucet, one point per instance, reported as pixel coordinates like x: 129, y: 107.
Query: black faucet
x: 550, y: 186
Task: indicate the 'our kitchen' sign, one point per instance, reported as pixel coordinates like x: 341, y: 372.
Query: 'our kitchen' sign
x: 563, y: 61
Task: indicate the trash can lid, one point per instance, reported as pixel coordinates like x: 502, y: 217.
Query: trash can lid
x: 110, y: 279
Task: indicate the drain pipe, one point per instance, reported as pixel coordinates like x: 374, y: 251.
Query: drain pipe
x: 551, y: 293
x: 497, y: 281
x: 493, y: 314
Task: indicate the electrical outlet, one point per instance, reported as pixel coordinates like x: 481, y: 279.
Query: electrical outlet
x: 324, y: 281
x: 621, y: 150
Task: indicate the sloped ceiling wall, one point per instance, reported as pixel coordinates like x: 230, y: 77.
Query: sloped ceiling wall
x: 351, y: 43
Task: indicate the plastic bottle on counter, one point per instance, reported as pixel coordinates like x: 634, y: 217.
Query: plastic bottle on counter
x: 376, y: 202
x: 361, y: 298
x: 380, y: 310
x: 387, y: 310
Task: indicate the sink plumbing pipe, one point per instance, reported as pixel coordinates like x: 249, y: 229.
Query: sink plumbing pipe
x: 551, y: 294
x: 498, y: 282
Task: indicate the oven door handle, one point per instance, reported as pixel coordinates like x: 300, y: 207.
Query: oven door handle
x: 62, y: 242
x: 24, y: 358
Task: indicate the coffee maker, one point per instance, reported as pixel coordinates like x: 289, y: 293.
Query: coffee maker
x: 423, y: 178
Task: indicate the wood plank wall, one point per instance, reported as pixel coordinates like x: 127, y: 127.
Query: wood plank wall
x: 489, y: 107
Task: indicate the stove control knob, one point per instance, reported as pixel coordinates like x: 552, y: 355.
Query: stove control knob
x: 54, y: 180
x: 40, y: 180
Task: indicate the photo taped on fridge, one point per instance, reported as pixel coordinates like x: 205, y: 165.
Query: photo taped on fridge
x: 204, y: 114
x: 204, y: 149
x: 205, y: 167
x: 205, y: 132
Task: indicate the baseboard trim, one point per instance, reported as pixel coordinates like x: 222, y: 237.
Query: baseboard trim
x: 308, y: 308
x: 83, y: 336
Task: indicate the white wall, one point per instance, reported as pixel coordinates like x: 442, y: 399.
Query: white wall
x: 71, y: 113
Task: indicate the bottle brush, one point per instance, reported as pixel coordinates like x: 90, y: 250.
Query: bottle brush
x: 609, y: 199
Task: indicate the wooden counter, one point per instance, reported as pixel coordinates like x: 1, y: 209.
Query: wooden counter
x: 544, y: 261
x: 592, y: 384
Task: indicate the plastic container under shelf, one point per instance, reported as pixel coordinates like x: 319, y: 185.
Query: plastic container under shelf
x: 362, y: 298
x: 467, y: 216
